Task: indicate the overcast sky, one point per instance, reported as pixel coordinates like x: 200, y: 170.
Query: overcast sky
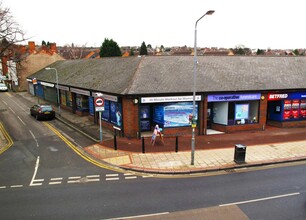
x: 253, y: 23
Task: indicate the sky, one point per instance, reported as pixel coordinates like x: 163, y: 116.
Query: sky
x: 254, y: 24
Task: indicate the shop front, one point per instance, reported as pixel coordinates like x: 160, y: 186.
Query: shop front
x: 287, y: 109
x: 172, y: 113
x: 79, y: 99
x: 232, y: 112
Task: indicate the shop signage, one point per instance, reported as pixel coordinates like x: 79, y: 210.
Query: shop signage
x: 65, y: 88
x: 170, y: 99
x: 80, y: 91
x: 111, y: 98
x: 279, y: 96
x: 47, y: 84
x: 233, y: 97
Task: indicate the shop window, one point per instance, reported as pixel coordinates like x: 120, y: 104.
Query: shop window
x: 69, y: 99
x: 63, y: 97
x: 243, y: 112
x: 112, y: 112
x: 82, y: 103
x: 174, y: 114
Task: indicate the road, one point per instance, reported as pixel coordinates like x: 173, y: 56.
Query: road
x: 42, y: 178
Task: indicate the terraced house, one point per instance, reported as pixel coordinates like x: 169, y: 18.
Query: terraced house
x: 234, y: 93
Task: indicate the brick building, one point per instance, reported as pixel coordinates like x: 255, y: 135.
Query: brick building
x: 234, y: 93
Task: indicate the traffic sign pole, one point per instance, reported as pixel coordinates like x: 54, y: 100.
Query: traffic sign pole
x: 100, y: 126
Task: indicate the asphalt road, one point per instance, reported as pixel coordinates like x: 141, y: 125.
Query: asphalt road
x: 42, y: 178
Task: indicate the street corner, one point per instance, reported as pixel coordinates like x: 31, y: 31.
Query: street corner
x: 114, y: 157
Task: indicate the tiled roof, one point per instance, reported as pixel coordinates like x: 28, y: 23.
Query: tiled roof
x: 174, y: 74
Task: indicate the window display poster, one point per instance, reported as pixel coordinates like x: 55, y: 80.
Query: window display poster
x: 105, y: 113
x: 145, y: 112
x: 116, y: 113
x: 295, y: 108
x: 158, y: 114
x: 241, y: 111
x: 303, y: 108
x: 145, y: 125
x: 287, y: 109
x: 178, y: 114
x: 91, y: 106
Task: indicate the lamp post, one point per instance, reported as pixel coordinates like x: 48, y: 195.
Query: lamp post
x: 193, y: 123
x: 57, y: 90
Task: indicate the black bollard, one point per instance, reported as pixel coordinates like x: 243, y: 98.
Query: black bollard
x: 176, y: 144
x: 115, y: 141
x: 143, y: 145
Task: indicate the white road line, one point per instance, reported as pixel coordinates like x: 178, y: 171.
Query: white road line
x: 36, y: 184
x: 262, y: 199
x: 38, y: 180
x: 21, y: 120
x: 73, y: 181
x: 74, y: 177
x: 4, y: 102
x: 37, y: 145
x: 140, y: 216
x: 109, y: 179
x: 92, y: 180
x: 110, y: 175
x: 56, y: 179
x: 2, y: 187
x: 12, y: 110
x: 55, y: 183
x: 93, y: 176
x: 130, y: 177
x: 16, y: 186
x: 35, y: 172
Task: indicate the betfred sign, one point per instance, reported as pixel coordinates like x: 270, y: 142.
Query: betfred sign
x: 277, y: 96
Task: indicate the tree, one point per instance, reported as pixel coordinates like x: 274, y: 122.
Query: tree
x: 10, y: 35
x: 110, y: 48
x: 43, y: 43
x: 242, y: 50
x: 132, y: 52
x: 260, y: 52
x: 143, y: 49
x: 296, y: 52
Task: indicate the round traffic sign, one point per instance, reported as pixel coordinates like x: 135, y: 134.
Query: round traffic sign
x: 99, y: 101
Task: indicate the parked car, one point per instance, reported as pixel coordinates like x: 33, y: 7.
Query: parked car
x: 42, y: 112
x: 3, y: 87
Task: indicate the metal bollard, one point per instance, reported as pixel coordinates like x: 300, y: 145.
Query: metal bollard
x: 143, y: 145
x: 176, y: 144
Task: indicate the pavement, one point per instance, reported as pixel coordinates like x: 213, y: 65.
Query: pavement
x: 213, y: 152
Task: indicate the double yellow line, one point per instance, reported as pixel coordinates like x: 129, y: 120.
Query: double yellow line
x: 7, y: 137
x: 80, y: 152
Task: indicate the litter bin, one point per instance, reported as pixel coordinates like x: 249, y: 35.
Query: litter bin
x: 239, y: 156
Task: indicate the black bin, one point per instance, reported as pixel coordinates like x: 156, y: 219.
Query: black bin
x: 239, y: 156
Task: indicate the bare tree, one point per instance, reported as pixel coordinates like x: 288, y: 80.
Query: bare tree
x: 10, y: 35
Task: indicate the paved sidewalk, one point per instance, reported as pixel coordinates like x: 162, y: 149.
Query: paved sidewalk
x: 213, y: 152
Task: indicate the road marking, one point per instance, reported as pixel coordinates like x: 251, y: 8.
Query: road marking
x: 92, y: 180
x: 56, y: 179
x: 130, y: 177
x: 110, y: 179
x: 93, y: 176
x: 111, y: 175
x: 37, y: 145
x: 141, y: 216
x: 55, y: 183
x: 73, y: 181
x: 35, y: 172
x: 74, y: 177
x: 12, y: 110
x: 2, y: 187
x: 16, y: 186
x: 21, y: 120
x: 4, y: 102
x: 262, y: 199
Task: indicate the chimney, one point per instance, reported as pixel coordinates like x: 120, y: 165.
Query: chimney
x: 31, y: 47
x: 53, y: 48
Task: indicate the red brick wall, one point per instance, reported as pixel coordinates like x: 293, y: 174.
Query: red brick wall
x: 130, y: 118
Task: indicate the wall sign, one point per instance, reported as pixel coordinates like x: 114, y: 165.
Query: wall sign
x: 80, y: 91
x: 233, y: 97
x: 170, y: 99
x: 280, y: 96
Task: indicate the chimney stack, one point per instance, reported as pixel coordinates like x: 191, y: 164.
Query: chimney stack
x: 31, y: 47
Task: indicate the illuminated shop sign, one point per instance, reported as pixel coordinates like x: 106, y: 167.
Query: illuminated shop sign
x: 233, y: 97
x: 279, y: 96
x: 169, y: 99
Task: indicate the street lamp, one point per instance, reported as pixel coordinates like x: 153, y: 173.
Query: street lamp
x: 58, y: 98
x: 193, y: 123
